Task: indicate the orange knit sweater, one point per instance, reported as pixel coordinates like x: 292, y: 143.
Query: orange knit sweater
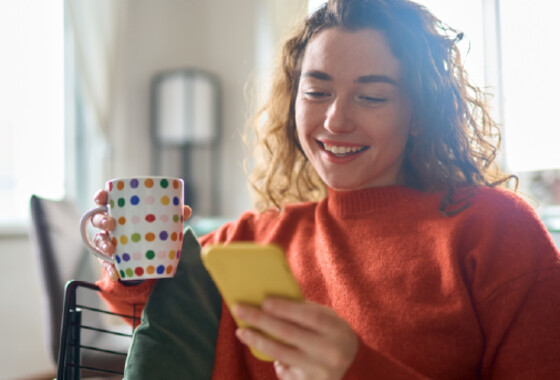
x: 475, y: 295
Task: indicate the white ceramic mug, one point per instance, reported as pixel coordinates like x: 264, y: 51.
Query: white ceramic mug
x: 149, y: 226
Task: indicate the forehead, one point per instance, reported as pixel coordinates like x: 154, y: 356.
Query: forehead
x: 350, y: 54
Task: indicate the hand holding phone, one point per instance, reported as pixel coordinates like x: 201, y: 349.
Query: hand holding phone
x: 248, y: 273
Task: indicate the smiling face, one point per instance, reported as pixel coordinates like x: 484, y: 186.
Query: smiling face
x: 353, y: 118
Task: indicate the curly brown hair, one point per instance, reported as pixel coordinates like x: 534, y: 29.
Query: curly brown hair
x: 457, y: 139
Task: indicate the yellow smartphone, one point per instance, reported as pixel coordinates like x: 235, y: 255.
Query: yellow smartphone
x: 248, y: 273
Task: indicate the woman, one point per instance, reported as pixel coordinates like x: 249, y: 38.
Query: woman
x: 376, y: 177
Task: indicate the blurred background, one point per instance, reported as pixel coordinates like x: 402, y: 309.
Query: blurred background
x: 98, y: 89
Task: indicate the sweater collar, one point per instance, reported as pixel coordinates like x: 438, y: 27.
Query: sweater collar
x: 365, y: 201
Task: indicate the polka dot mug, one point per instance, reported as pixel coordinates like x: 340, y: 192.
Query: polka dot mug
x: 149, y: 226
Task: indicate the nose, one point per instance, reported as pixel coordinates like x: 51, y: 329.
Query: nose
x: 338, y: 119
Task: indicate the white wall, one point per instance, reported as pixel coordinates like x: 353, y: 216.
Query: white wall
x: 217, y: 36
x: 23, y: 353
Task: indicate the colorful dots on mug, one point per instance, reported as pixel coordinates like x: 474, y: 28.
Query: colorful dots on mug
x: 146, y: 211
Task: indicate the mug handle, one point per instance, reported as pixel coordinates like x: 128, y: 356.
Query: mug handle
x: 85, y: 236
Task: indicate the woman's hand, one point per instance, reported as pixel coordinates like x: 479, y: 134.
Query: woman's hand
x: 106, y: 224
x: 316, y: 342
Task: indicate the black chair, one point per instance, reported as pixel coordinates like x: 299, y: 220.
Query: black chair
x: 62, y: 257
x: 86, y: 349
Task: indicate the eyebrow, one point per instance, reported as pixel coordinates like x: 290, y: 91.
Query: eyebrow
x: 362, y: 80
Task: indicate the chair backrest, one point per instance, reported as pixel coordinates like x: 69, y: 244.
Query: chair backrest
x: 61, y: 256
x: 90, y: 350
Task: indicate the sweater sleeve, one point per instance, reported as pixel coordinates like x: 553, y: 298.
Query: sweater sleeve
x: 514, y: 271
x: 124, y: 299
x: 522, y: 319
x: 131, y: 299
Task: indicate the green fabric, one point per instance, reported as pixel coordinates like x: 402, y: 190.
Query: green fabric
x: 179, y: 328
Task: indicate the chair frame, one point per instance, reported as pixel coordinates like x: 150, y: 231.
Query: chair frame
x: 69, y: 355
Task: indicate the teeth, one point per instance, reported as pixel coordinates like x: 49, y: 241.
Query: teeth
x: 342, y: 150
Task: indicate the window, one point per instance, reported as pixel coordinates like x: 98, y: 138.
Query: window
x: 31, y: 111
x: 530, y: 57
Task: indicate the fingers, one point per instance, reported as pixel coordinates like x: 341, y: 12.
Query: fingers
x: 103, y: 222
x: 306, y: 314
x: 292, y: 335
x: 101, y: 240
x: 103, y: 243
x: 100, y: 197
x: 187, y: 212
x: 313, y: 338
x: 111, y: 270
x: 272, y: 348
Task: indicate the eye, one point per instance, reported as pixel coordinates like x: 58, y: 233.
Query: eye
x: 316, y: 94
x: 372, y: 99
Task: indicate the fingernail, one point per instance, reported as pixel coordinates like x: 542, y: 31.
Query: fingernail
x: 241, y: 334
x: 105, y: 246
x: 104, y: 223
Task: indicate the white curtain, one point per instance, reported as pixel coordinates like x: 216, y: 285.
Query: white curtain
x: 95, y: 29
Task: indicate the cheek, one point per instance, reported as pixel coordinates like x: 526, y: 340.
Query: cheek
x: 303, y: 122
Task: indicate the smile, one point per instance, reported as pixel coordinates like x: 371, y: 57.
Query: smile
x: 343, y: 151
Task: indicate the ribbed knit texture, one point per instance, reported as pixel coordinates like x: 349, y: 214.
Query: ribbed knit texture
x: 475, y: 295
